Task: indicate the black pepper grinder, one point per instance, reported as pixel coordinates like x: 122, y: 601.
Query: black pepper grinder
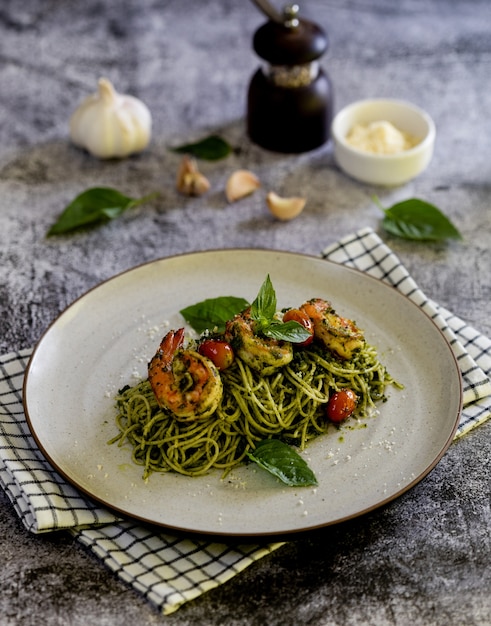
x: 289, y: 103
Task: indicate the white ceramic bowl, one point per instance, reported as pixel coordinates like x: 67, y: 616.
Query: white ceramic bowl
x: 384, y: 169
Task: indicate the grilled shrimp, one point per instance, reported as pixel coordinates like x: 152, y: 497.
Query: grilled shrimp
x: 183, y: 381
x: 262, y: 354
x: 338, y: 334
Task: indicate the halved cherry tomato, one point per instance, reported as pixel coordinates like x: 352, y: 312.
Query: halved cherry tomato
x: 220, y: 352
x: 341, y: 405
x: 295, y: 315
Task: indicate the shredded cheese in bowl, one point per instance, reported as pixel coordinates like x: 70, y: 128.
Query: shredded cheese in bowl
x: 380, y: 137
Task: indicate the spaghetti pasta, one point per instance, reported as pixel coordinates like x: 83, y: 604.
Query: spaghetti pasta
x: 288, y: 404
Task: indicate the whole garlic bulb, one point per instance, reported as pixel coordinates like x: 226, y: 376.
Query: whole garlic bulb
x: 109, y: 124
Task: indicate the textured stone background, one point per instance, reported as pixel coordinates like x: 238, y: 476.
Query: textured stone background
x: 425, y: 558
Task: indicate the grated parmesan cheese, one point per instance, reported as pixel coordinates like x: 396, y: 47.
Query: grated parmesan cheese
x: 380, y: 137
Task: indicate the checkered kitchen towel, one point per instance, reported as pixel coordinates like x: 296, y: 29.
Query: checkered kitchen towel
x: 170, y: 570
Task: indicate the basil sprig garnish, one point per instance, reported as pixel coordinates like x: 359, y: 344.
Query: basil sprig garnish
x: 417, y: 220
x: 212, y: 148
x: 94, y: 206
x: 213, y: 313
x: 283, y: 462
x: 263, y: 311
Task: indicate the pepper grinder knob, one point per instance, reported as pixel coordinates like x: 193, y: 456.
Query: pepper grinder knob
x: 290, y: 13
x: 289, y: 102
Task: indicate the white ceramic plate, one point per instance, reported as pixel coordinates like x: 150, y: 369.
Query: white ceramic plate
x: 105, y: 338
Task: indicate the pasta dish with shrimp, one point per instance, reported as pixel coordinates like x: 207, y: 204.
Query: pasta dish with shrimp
x: 208, y: 403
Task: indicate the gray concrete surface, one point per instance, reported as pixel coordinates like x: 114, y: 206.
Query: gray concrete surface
x: 422, y: 560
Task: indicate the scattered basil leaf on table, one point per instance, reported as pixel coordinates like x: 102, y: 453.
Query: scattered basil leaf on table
x: 282, y: 461
x: 263, y: 310
x: 94, y: 206
x: 213, y: 312
x: 212, y: 148
x: 418, y: 220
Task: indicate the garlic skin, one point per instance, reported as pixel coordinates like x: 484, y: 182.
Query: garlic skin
x: 111, y: 125
x: 285, y: 209
x: 190, y: 181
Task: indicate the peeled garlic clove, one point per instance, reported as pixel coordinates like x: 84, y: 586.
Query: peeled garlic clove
x: 109, y: 124
x: 190, y: 181
x: 240, y: 184
x: 285, y: 208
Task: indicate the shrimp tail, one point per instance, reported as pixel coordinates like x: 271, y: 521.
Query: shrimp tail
x: 168, y: 347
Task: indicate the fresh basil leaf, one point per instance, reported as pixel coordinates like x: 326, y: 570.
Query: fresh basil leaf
x: 283, y: 462
x: 212, y: 148
x: 418, y: 220
x: 263, y: 311
x: 289, y: 331
x: 213, y: 312
x: 263, y: 308
x: 94, y: 206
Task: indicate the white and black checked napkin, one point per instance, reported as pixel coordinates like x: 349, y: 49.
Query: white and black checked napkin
x: 169, y: 570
